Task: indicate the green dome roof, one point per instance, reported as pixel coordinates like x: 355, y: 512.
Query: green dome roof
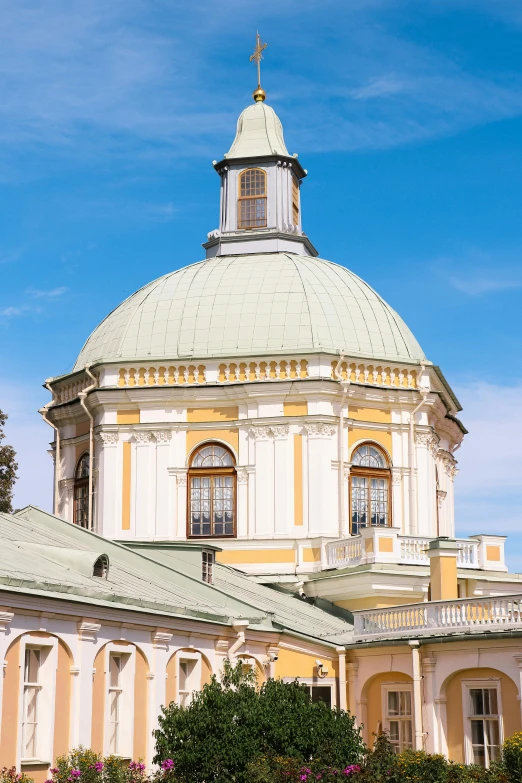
x: 250, y: 305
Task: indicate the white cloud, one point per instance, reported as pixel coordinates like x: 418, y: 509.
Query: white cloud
x: 11, y: 311
x: 52, y: 293
x: 479, y: 284
x: 375, y: 88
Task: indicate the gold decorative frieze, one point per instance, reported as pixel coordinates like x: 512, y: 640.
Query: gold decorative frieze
x: 162, y: 376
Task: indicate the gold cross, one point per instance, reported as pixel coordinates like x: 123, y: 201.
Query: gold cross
x: 257, y: 57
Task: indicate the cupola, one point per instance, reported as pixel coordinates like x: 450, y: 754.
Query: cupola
x: 260, y: 203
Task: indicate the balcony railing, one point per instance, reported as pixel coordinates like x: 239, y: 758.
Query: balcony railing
x: 485, y: 552
x: 462, y: 615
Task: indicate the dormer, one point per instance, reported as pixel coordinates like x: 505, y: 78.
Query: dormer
x: 260, y: 205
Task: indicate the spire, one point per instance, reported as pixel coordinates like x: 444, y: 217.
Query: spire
x: 257, y: 56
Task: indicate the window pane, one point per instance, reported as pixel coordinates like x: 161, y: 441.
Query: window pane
x: 114, y: 671
x: 223, y: 505
x: 32, y: 665
x: 200, y: 505
x: 213, y: 457
x: 393, y: 702
x: 30, y: 722
x: 379, y: 501
x: 477, y: 701
x: 114, y: 706
x: 407, y: 734
x: 492, y: 733
x: 252, y: 213
x: 322, y: 693
x: 477, y: 732
x: 394, y: 731
x: 368, y: 457
x: 490, y: 701
x: 359, y: 503
x: 479, y: 755
x: 253, y: 183
x: 405, y: 703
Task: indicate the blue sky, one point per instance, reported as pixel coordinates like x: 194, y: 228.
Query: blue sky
x: 407, y: 115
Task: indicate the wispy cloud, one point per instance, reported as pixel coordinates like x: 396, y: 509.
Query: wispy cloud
x: 480, y: 284
x: 52, y: 293
x: 376, y: 88
x: 12, y: 311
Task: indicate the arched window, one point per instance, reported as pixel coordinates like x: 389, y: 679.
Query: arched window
x: 251, y: 203
x: 212, y: 493
x: 369, y: 488
x: 81, y: 492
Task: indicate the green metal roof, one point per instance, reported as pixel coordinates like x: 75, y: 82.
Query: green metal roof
x: 44, y: 555
x: 254, y: 304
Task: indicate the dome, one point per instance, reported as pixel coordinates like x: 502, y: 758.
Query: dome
x: 259, y: 132
x: 252, y: 305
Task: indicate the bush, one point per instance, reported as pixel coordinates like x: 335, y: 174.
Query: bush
x: 230, y: 726
x: 12, y: 776
x: 82, y: 765
x: 512, y: 757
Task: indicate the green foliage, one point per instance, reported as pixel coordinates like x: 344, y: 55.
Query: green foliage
x: 82, y: 765
x: 8, y: 468
x: 10, y: 775
x: 512, y: 757
x: 416, y: 766
x: 231, y: 724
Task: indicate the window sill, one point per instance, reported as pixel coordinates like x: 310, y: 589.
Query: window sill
x: 34, y: 761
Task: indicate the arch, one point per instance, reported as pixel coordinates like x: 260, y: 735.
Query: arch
x: 207, y: 671
x: 99, y: 701
x: 210, y: 441
x: 9, y: 708
x: 251, y: 198
x: 370, y: 486
x: 452, y: 692
x: 212, y: 492
x: 372, y: 698
x: 260, y: 670
x: 374, y: 444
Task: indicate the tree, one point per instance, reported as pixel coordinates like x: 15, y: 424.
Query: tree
x: 8, y: 468
x: 230, y: 724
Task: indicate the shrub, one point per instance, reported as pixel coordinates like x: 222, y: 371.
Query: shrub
x: 512, y: 757
x: 230, y: 724
x: 82, y: 765
x: 10, y: 775
x: 417, y: 766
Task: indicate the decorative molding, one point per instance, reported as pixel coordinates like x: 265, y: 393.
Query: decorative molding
x: 449, y: 463
x: 142, y: 437
x: 162, y: 436
x: 428, y: 664
x: 88, y: 630
x: 396, y: 476
x: 280, y: 430
x: 320, y: 430
x: 75, y: 670
x: 181, y: 479
x: 429, y: 440
x: 161, y: 638
x: 441, y: 496
x: 242, y: 476
x: 107, y: 438
x: 5, y: 619
x: 67, y: 483
x: 261, y: 433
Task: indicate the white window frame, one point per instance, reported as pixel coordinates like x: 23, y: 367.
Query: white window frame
x: 468, y: 685
x: 326, y: 682
x: 393, y: 687
x: 126, y: 722
x: 46, y: 698
x: 194, y: 680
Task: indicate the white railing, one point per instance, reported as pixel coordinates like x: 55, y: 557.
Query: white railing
x: 347, y: 552
x: 468, y: 614
x: 412, y: 551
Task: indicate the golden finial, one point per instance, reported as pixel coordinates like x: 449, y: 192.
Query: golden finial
x: 259, y: 94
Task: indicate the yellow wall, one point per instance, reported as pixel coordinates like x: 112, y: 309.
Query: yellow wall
x: 235, y: 556
x: 295, y: 408
x: 212, y: 414
x: 443, y: 578
x: 377, y: 601
x: 298, y: 480
x: 356, y: 435
x: 493, y: 553
x: 98, y: 702
x: 292, y: 663
x: 194, y: 437
x: 377, y: 415
x: 126, y: 486
x: 62, y: 713
x: 206, y: 674
x: 454, y: 708
x: 83, y: 428
x: 311, y: 554
x: 9, y: 726
x: 128, y: 417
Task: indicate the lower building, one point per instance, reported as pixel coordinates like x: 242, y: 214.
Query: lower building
x: 96, y: 636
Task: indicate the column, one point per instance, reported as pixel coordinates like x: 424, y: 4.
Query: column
x: 352, y: 668
x: 518, y: 659
x: 142, y: 486
x: 322, y: 520
x: 107, y: 522
x: 282, y: 482
x: 264, y: 462
x: 242, y: 502
x: 425, y: 495
x: 430, y: 720
x: 341, y: 652
x: 163, y: 527
x: 417, y: 694
x: 87, y: 650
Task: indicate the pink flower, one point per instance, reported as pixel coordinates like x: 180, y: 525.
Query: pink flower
x: 167, y: 764
x: 76, y: 773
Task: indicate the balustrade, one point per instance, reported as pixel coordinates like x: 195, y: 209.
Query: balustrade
x: 377, y: 375
x: 434, y: 616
